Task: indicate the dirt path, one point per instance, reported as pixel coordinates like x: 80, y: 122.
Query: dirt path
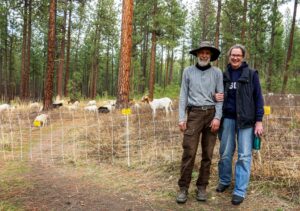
x: 63, y: 187
x: 57, y: 189
x: 94, y: 186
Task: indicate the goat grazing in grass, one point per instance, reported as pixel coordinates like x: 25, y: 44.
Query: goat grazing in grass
x: 165, y: 103
x: 41, y: 120
x: 74, y: 106
x: 110, y: 106
x: 91, y: 108
x: 92, y: 102
x: 5, y: 107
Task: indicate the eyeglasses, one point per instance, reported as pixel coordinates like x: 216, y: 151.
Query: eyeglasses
x: 236, y: 55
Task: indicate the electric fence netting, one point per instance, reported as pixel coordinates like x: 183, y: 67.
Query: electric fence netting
x: 139, y: 139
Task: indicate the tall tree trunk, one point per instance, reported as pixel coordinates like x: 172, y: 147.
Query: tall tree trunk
x: 67, y: 76
x: 289, y: 53
x: 152, y: 65
x: 106, y: 88
x: 167, y: 69
x: 271, y: 53
x: 144, y: 59
x: 125, y: 54
x: 182, y: 61
x: 112, y: 72
x: 10, y: 68
x: 24, y: 52
x: 6, y: 54
x: 250, y: 34
x: 153, y: 54
x: 160, y: 78
x: 1, y: 73
x: 171, y: 66
x: 95, y: 64
x: 60, y: 70
x: 48, y: 90
x: 28, y: 47
x: 244, y: 24
x: 217, y: 36
x: 204, y: 19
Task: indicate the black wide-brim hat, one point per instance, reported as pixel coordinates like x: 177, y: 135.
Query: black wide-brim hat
x: 207, y: 45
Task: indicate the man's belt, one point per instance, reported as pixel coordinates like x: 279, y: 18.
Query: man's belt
x: 206, y: 107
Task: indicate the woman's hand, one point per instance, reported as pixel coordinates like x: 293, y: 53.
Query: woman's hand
x: 258, y: 130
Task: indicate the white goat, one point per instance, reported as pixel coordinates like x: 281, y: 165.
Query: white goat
x: 41, y: 120
x: 6, y: 106
x: 91, y: 108
x: 91, y: 102
x: 36, y: 106
x: 290, y: 96
x: 165, y: 103
x: 74, y: 106
x: 111, y: 105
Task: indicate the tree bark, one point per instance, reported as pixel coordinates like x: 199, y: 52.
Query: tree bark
x: 48, y: 90
x: 217, y: 36
x: 60, y: 70
x: 67, y: 76
x: 24, y: 52
x: 289, y: 53
x: 244, y: 24
x: 271, y: 53
x: 27, y: 62
x: 153, y: 54
x: 125, y: 54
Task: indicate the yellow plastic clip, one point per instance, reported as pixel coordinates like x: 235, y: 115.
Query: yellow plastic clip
x: 267, y: 110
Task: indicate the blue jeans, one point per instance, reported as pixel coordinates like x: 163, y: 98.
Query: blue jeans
x: 245, y: 137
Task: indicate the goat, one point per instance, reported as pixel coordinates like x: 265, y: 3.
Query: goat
x: 72, y: 101
x: 165, y: 103
x: 103, y: 109
x: 4, y: 107
x: 91, y: 108
x: 34, y: 105
x: 290, y: 96
x: 41, y: 120
x: 74, y: 106
x: 110, y: 106
x: 91, y: 102
x: 57, y: 104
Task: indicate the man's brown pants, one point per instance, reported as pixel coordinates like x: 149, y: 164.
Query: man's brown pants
x: 198, y: 122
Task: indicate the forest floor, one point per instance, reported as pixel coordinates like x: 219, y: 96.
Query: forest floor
x: 41, y: 185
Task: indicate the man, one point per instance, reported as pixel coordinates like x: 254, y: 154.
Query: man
x: 200, y: 82
x: 242, y: 118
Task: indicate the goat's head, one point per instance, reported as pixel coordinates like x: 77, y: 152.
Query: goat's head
x: 145, y: 99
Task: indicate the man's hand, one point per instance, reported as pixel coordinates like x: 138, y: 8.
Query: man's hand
x: 182, y: 126
x: 215, y: 124
x: 219, y: 97
x: 258, y: 130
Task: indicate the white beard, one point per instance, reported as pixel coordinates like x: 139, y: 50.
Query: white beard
x: 203, y: 63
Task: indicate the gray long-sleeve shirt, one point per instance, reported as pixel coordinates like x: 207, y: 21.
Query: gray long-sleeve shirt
x: 198, y: 88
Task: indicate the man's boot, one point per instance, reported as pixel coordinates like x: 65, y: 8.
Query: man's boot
x: 201, y: 193
x: 182, y: 196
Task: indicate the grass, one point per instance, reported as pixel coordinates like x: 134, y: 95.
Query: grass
x: 6, y: 206
x: 14, y: 182
x: 154, y: 178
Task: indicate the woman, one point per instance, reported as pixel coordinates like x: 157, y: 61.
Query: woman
x: 242, y: 118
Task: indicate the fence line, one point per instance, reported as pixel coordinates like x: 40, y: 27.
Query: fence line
x: 137, y: 139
